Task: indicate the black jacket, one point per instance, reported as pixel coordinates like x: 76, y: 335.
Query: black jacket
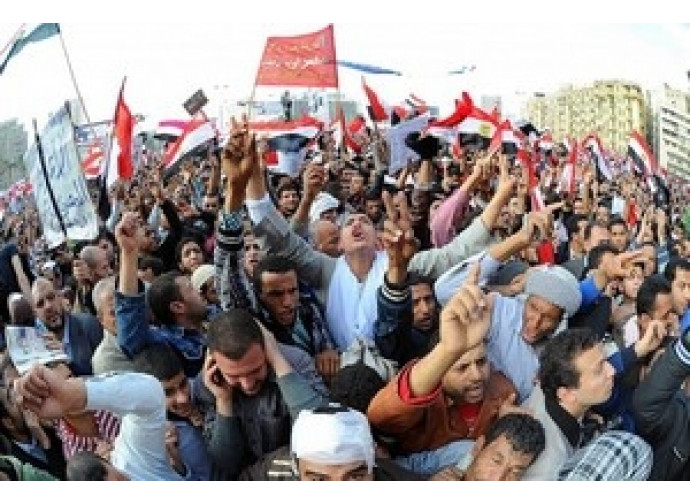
x: 662, y: 412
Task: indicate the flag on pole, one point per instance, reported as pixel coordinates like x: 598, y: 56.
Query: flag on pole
x: 303, y: 60
x: 118, y: 162
x: 447, y: 128
x: 170, y: 129
x: 27, y: 36
x: 287, y: 142
x: 593, y: 143
x: 197, y: 132
x: 378, y: 111
x: 641, y: 155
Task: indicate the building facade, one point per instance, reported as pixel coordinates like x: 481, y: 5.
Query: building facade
x: 611, y: 108
x: 14, y: 141
x: 671, y: 128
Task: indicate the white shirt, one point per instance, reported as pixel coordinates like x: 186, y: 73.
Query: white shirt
x: 139, y: 450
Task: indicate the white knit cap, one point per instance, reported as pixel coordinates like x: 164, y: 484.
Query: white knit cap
x: 322, y: 203
x: 555, y: 285
x: 334, y: 435
x: 202, y: 275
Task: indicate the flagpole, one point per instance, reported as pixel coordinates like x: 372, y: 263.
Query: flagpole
x: 74, y: 79
x: 13, y: 39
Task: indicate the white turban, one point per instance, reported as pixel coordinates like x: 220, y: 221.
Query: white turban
x: 334, y: 437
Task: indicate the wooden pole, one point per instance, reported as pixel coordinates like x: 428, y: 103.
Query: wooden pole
x: 73, y: 77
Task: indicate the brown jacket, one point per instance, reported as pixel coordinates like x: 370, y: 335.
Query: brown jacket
x: 433, y: 424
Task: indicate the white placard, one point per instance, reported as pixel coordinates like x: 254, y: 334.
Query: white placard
x: 400, y: 153
x: 65, y: 176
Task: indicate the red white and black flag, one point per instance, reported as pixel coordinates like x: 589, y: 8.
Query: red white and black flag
x: 641, y: 155
x: 593, y: 144
x: 287, y: 142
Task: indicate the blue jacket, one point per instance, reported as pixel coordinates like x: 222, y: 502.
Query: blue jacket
x: 134, y: 333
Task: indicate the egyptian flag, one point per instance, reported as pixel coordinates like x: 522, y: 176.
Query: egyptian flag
x: 477, y: 129
x: 378, y: 110
x: 593, y: 144
x: 288, y: 142
x: 447, y: 128
x: 641, y: 156
x: 170, y: 129
x: 506, y: 139
x: 196, y: 134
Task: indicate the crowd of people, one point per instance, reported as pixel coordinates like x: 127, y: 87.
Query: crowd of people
x: 234, y: 323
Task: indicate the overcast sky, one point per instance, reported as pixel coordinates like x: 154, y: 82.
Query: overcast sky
x: 516, y: 50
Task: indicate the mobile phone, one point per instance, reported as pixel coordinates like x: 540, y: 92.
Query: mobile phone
x: 217, y: 378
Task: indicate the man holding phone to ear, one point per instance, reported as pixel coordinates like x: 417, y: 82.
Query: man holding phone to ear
x: 259, y: 387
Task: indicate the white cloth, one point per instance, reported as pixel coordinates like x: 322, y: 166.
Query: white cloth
x: 352, y: 308
x: 333, y: 438
x: 139, y: 450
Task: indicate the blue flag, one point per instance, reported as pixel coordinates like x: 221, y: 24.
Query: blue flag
x: 370, y: 69
x: 41, y: 32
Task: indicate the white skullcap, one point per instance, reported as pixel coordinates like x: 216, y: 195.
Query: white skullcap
x: 333, y: 436
x: 322, y: 203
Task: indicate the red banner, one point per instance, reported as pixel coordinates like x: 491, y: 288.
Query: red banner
x: 304, y: 60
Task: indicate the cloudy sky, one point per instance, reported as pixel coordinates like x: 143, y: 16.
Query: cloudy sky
x: 169, y: 52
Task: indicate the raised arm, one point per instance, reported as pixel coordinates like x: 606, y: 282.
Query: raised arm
x: 391, y: 331
x: 314, y: 178
x: 311, y: 266
x: 435, y: 262
x: 133, y: 332
x: 228, y: 251
x: 452, y: 209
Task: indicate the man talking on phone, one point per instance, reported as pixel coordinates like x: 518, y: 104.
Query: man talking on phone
x: 259, y: 387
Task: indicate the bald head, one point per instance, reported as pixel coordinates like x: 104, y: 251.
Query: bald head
x: 97, y: 260
x: 326, y: 236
